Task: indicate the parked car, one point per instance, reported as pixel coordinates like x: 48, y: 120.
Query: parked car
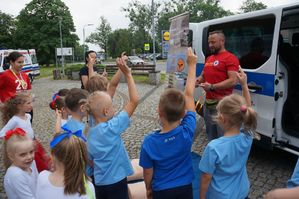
x: 135, y: 60
x: 158, y: 56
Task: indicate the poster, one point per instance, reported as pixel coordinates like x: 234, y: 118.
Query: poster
x: 178, y: 43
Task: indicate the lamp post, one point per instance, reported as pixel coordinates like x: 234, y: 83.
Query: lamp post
x: 153, y: 32
x: 61, y: 46
x: 84, y: 39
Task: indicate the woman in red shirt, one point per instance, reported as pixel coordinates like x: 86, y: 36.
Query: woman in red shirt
x: 13, y: 80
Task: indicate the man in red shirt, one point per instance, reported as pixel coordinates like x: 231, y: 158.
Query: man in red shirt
x: 218, y: 78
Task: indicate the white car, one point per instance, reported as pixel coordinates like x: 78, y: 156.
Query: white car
x: 134, y: 60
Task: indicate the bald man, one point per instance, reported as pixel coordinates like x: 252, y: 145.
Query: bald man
x: 217, y: 79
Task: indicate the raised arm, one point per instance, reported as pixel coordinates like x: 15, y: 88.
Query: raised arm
x: 133, y: 95
x: 190, y: 84
x: 115, y: 79
x: 242, y: 77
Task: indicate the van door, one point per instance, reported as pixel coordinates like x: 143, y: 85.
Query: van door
x: 287, y: 124
x: 253, y: 40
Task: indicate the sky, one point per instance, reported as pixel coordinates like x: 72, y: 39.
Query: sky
x: 89, y: 11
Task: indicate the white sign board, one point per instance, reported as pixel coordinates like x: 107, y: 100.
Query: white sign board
x: 66, y: 51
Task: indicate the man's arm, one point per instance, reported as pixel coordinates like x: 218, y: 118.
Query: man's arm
x: 205, y: 182
x: 190, y: 84
x: 148, y: 176
x: 228, y: 83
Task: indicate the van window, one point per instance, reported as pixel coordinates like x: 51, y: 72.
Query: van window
x: 250, y: 40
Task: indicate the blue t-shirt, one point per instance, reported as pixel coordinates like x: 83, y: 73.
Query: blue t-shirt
x: 294, y: 181
x: 74, y: 125
x: 169, y: 154
x: 225, y: 159
x: 107, y: 151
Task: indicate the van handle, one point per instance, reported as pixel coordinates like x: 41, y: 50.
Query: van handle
x: 254, y: 87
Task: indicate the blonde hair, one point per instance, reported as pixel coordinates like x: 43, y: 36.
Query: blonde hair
x: 9, y: 147
x: 237, y: 113
x: 97, y: 83
x: 72, y: 153
x: 10, y: 107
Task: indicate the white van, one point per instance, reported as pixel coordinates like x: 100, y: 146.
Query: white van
x: 31, y: 67
x: 267, y: 45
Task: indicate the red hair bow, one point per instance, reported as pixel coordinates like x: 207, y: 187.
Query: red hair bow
x: 17, y: 131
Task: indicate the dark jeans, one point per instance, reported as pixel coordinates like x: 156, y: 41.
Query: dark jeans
x: 117, y: 190
x: 182, y: 192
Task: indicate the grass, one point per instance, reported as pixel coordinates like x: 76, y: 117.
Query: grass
x: 46, y: 71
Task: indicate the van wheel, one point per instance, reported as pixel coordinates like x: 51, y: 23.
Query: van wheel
x: 31, y: 78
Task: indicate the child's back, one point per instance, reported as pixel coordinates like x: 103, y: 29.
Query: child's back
x: 166, y: 155
x: 170, y: 154
x: 111, y: 164
x: 226, y: 161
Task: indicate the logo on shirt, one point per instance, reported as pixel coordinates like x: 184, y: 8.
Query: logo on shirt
x: 169, y: 139
x: 216, y: 63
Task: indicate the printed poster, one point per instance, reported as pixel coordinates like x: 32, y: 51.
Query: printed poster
x: 178, y: 43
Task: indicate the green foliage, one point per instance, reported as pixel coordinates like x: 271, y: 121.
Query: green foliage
x: 119, y: 41
x: 100, y: 37
x: 140, y: 16
x: 252, y: 5
x: 38, y: 28
x: 200, y: 10
x: 8, y: 28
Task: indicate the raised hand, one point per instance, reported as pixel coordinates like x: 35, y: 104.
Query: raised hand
x: 242, y: 77
x: 191, y: 57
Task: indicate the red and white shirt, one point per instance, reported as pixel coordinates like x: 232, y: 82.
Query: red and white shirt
x: 11, y: 83
x: 216, y: 70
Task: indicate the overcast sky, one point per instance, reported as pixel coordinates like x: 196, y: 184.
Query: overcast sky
x: 89, y: 11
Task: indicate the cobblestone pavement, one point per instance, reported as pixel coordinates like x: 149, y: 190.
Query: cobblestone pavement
x: 266, y: 169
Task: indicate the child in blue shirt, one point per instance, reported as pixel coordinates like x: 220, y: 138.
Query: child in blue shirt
x: 166, y: 154
x: 223, y: 163
x: 75, y: 101
x: 111, y: 164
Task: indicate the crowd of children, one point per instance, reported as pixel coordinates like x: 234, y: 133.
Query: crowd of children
x: 88, y: 159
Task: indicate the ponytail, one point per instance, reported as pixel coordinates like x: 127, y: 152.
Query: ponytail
x: 250, y: 122
x: 72, y: 153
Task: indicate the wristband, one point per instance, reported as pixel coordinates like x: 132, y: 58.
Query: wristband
x: 212, y: 87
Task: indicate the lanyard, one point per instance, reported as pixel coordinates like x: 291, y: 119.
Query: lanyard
x: 22, y: 84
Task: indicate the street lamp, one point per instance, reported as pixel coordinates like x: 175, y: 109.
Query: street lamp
x: 84, y: 39
x: 153, y: 32
x: 62, y: 57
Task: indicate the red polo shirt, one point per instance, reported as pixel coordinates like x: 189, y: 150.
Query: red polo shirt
x: 9, y: 84
x: 215, y: 71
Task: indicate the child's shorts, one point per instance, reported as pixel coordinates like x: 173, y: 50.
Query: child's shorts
x: 117, y: 190
x: 182, y: 192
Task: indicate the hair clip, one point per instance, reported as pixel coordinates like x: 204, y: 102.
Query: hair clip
x: 54, y: 98
x: 17, y: 131
x: 243, y: 108
x: 67, y: 133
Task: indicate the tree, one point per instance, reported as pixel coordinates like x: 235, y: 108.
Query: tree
x: 252, y: 5
x: 38, y: 27
x: 200, y: 10
x: 8, y: 28
x: 100, y: 37
x: 140, y: 16
x: 119, y: 41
